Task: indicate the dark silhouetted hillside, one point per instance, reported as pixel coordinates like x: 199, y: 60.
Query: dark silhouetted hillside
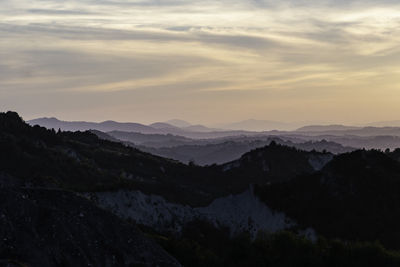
x: 41, y: 227
x: 356, y: 196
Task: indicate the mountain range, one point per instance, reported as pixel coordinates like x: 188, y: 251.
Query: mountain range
x: 74, y: 199
x: 191, y: 131
x: 201, y: 132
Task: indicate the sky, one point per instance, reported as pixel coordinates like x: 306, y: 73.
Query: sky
x: 329, y: 61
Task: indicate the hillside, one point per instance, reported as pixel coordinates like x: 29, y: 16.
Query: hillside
x: 43, y: 224
x: 354, y: 197
x: 80, y: 161
x: 41, y: 227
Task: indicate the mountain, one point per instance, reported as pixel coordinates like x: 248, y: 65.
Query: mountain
x: 162, y: 125
x: 394, y: 123
x: 326, y: 128
x: 348, y: 130
x: 106, y: 126
x: 179, y: 123
x: 257, y: 125
x: 200, y: 128
x: 196, y: 131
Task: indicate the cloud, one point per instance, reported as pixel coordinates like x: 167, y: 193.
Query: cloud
x: 59, y: 12
x: 270, y: 50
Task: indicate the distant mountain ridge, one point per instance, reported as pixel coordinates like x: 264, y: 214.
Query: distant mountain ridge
x: 258, y: 125
x: 107, y: 126
x: 393, y: 123
x: 191, y: 131
x: 163, y: 125
x: 178, y: 123
x: 322, y: 128
x: 338, y: 130
x: 201, y: 131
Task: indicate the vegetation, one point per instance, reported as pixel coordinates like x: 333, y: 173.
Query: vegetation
x: 356, y: 196
x: 202, y: 245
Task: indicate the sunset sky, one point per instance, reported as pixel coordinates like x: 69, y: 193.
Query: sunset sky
x: 202, y: 61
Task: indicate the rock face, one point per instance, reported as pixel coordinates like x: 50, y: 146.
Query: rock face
x: 42, y: 227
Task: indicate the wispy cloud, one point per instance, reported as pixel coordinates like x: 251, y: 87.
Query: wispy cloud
x: 271, y: 50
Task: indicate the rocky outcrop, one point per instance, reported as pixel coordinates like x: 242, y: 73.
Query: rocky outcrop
x: 239, y: 213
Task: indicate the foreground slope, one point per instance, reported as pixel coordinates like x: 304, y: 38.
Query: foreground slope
x: 42, y: 224
x: 41, y: 227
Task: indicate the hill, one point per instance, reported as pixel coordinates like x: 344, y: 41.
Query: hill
x: 354, y: 197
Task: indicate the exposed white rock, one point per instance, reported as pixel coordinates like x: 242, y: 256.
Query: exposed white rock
x: 242, y: 212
